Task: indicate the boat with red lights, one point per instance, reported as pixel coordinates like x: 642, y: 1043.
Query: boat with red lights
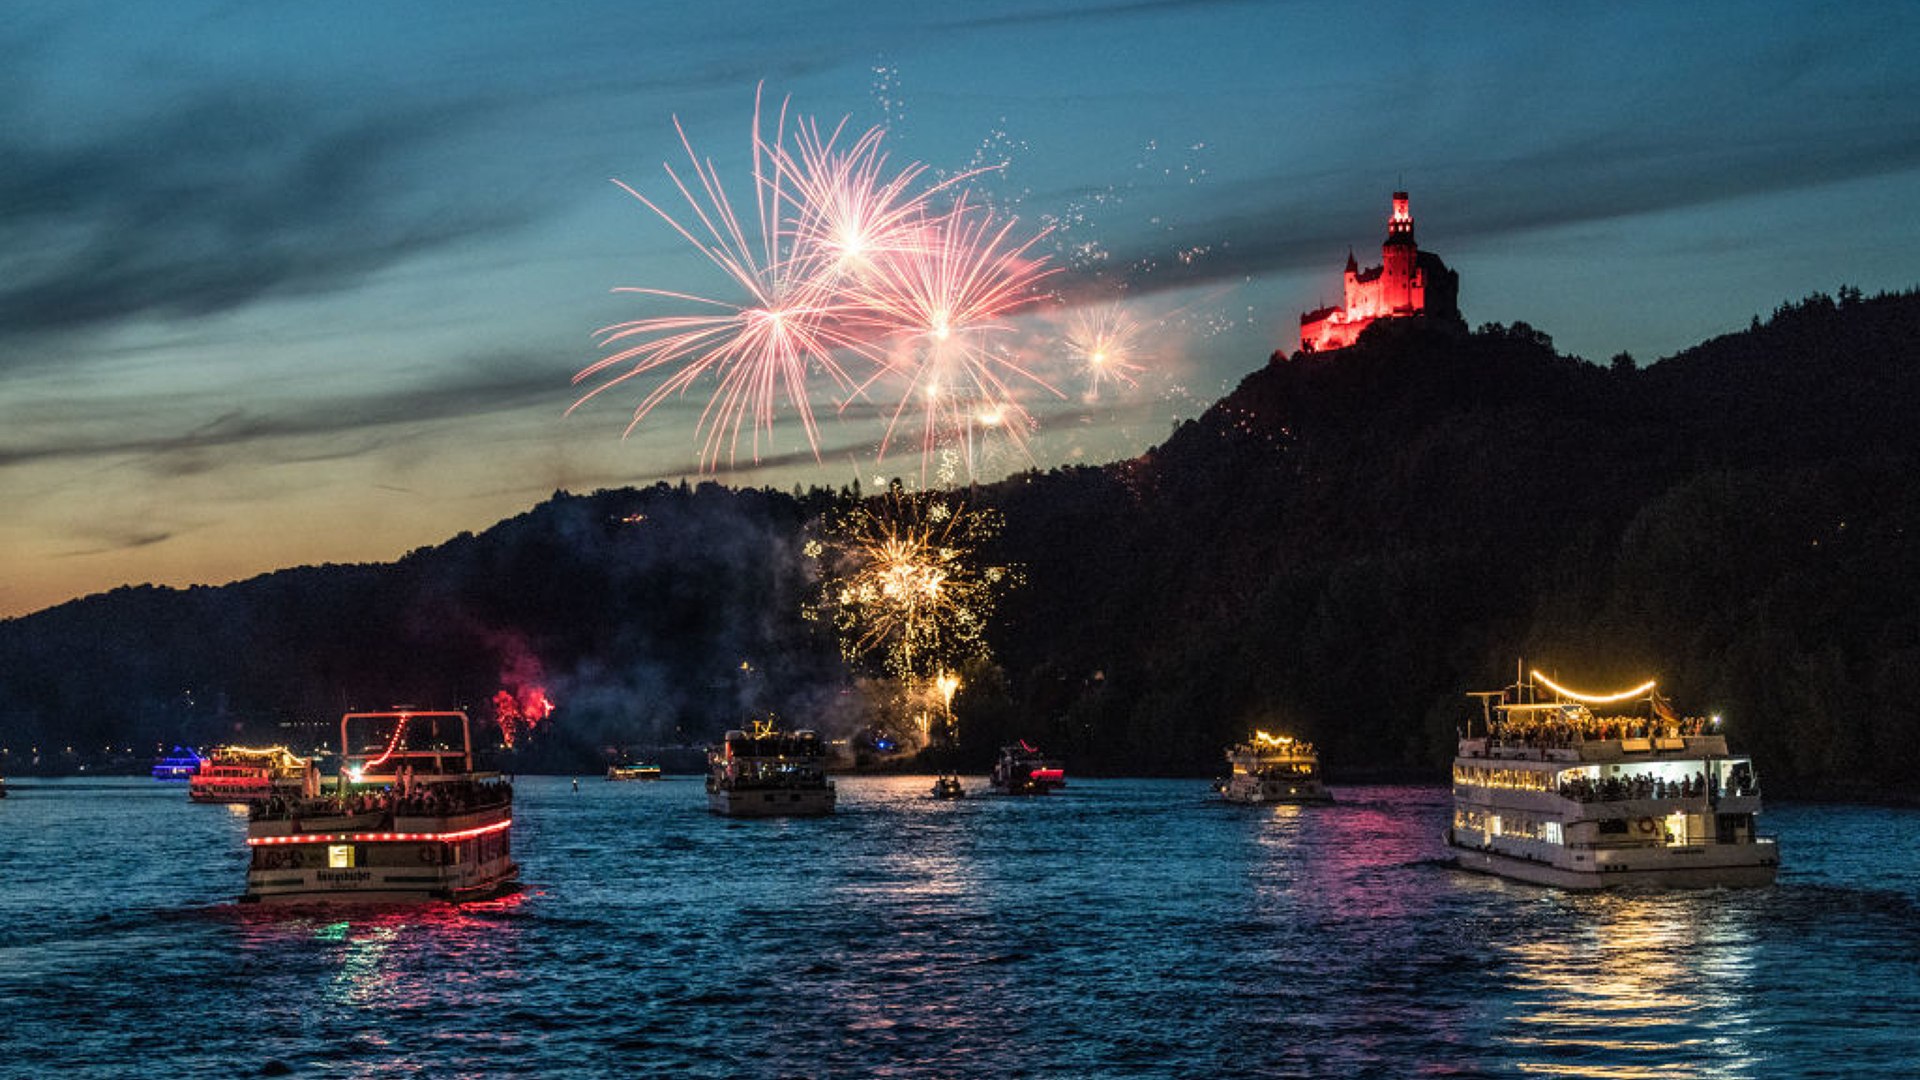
x: 410, y: 819
x: 1023, y: 770
x: 1274, y: 769
x: 239, y: 774
x: 766, y: 772
x: 1594, y: 791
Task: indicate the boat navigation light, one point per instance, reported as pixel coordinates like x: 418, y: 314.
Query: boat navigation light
x: 354, y: 774
x: 1716, y: 719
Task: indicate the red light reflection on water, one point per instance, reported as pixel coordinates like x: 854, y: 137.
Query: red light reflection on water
x: 382, y: 955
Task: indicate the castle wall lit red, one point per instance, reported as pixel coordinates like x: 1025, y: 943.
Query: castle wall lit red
x: 1408, y: 282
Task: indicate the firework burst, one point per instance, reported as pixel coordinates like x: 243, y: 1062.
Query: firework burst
x: 902, y: 582
x: 942, y: 309
x: 775, y: 338
x: 846, y: 273
x: 1103, y: 340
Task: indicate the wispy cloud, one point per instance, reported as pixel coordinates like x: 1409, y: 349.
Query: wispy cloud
x: 207, y: 204
x: 501, y: 384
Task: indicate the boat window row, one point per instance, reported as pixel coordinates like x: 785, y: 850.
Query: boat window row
x: 1505, y: 779
x: 1507, y: 823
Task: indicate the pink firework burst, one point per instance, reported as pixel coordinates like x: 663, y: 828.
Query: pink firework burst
x: 776, y: 339
x: 941, y: 308
x: 845, y: 261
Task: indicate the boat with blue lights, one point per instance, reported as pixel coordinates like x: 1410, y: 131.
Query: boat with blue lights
x: 1022, y: 770
x: 766, y: 772
x: 241, y: 774
x: 409, y: 819
x: 633, y: 771
x: 1595, y: 791
x: 1274, y: 769
x: 177, y: 766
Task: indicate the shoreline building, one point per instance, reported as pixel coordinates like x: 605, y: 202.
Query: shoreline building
x: 1408, y: 282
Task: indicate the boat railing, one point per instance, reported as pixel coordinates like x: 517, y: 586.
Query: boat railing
x: 440, y: 800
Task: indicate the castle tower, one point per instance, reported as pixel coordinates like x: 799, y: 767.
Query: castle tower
x: 1407, y: 282
x: 1399, y: 269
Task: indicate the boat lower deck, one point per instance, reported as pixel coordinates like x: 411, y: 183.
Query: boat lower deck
x: 771, y: 802
x: 1690, y: 867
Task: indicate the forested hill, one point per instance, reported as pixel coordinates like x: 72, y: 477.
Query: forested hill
x: 1348, y: 542
x: 1341, y: 547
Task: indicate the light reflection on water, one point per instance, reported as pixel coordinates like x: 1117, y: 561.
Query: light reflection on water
x: 1640, y: 986
x: 1118, y: 928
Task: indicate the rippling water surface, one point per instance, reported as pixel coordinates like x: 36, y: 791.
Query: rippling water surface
x: 1119, y: 928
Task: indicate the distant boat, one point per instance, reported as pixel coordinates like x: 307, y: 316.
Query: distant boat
x: 239, y: 774
x: 180, y: 765
x: 624, y: 771
x: 411, y: 819
x: 765, y: 772
x: 948, y: 787
x: 1274, y: 769
x: 1022, y: 770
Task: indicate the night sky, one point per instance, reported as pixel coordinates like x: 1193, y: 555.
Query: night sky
x: 286, y: 286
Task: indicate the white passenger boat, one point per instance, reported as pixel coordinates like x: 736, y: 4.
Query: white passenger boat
x: 239, y: 774
x: 410, y: 819
x: 765, y: 772
x: 1274, y: 769
x: 1591, y: 791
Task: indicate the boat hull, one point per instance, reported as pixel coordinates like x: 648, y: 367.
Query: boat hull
x: 1270, y: 794
x: 416, y: 860
x: 771, y: 802
x: 1704, y: 867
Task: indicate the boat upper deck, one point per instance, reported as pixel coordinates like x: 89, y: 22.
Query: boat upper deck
x: 1577, y: 749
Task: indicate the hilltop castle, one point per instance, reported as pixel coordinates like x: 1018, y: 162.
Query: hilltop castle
x: 1407, y: 282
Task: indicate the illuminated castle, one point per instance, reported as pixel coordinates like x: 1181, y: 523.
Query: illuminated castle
x: 1407, y: 282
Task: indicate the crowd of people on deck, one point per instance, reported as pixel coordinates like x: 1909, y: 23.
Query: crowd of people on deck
x: 409, y: 799
x: 1640, y: 786
x: 1563, y: 734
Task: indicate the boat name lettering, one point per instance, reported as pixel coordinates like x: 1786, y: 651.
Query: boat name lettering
x: 343, y: 877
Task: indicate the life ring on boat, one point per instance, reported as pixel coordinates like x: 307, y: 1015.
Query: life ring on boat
x: 1646, y: 826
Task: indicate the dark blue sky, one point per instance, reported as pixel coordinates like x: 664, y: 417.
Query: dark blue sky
x: 284, y: 286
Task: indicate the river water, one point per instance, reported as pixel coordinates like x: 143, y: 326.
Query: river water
x: 1117, y: 928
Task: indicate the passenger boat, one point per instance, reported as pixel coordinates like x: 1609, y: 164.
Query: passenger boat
x: 238, y: 774
x: 180, y: 765
x: 626, y: 771
x: 1021, y: 770
x: 410, y: 819
x: 1555, y: 793
x: 948, y: 787
x: 765, y: 772
x: 1274, y: 769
